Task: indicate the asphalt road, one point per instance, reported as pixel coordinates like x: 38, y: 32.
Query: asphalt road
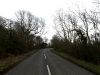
x: 44, y: 62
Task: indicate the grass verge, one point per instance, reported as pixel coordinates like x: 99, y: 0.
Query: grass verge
x: 12, y: 60
x: 89, y: 66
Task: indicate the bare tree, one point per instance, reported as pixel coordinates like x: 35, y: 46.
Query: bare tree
x: 84, y: 18
x: 27, y: 25
x: 61, y: 26
x: 94, y: 20
x: 30, y: 22
x: 65, y: 24
x: 73, y: 22
x: 2, y: 21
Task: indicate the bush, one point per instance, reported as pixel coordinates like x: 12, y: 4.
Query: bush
x: 87, y: 52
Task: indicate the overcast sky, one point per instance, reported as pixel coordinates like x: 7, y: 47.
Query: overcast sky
x: 42, y: 8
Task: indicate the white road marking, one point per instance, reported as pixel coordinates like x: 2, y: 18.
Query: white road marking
x: 45, y: 56
x: 48, y: 70
x: 47, y: 66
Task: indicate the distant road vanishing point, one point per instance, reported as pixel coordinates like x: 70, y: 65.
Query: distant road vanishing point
x: 44, y: 62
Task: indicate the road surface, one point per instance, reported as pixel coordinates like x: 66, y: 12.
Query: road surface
x: 44, y: 62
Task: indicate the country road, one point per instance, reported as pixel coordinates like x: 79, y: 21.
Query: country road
x: 44, y: 62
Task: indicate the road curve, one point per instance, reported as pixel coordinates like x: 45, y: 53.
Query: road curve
x: 44, y: 62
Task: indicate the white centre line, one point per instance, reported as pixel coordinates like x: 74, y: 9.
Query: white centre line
x: 48, y: 70
x: 45, y: 56
x: 47, y: 66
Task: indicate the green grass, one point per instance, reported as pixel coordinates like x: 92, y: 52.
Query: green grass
x: 12, y: 60
x: 89, y: 66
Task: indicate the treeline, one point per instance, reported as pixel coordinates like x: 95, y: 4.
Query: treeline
x: 21, y: 35
x: 78, y: 34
